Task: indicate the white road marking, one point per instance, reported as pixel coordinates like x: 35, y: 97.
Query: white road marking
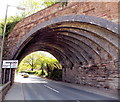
x: 51, y: 88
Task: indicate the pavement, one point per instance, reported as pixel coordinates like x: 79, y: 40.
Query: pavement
x: 36, y: 88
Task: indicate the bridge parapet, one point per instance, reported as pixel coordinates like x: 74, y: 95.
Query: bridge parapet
x: 106, y: 10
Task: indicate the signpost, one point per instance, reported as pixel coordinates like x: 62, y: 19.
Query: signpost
x: 9, y: 64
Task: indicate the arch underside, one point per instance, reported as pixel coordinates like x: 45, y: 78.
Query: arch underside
x: 73, y: 43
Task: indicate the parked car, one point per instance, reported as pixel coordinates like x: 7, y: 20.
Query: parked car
x: 26, y: 75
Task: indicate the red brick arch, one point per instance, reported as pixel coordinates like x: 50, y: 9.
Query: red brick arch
x: 82, y: 36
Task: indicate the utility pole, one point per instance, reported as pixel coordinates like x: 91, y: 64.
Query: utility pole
x: 3, y: 38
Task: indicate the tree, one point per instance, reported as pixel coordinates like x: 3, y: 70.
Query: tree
x: 42, y: 64
x: 31, y: 6
x: 31, y: 61
x: 47, y: 3
x: 39, y: 61
x: 11, y: 22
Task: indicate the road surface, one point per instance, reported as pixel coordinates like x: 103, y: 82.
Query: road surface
x: 36, y: 88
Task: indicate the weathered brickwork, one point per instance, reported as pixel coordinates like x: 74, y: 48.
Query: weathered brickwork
x: 102, y: 76
x: 0, y: 42
x: 106, y: 10
x: 86, y: 46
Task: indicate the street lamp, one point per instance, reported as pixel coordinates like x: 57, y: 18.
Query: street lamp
x: 3, y: 36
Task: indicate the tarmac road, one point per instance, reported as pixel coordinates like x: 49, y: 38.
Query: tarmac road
x: 36, y: 88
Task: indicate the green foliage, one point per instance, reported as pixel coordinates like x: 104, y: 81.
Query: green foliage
x: 64, y: 4
x: 31, y: 72
x: 10, y: 24
x: 31, y: 61
x: 55, y: 74
x: 41, y: 73
x: 38, y: 61
x: 1, y: 27
x: 42, y: 65
x: 31, y: 6
x: 47, y: 3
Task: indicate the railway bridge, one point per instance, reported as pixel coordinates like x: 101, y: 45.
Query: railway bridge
x: 83, y: 36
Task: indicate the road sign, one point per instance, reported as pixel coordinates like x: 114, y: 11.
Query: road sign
x: 10, y: 64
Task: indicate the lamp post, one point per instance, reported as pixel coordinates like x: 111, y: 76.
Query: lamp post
x: 3, y: 36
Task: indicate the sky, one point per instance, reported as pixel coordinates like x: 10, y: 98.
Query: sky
x: 47, y: 53
x: 11, y: 10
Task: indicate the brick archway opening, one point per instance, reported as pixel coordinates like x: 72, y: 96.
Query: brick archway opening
x: 86, y: 47
x: 40, y: 63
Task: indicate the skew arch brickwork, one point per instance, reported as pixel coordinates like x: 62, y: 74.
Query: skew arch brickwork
x: 84, y: 55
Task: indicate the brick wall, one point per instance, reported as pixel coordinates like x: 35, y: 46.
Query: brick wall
x: 102, y: 75
x: 106, y: 10
x: 105, y: 75
x: 0, y: 41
